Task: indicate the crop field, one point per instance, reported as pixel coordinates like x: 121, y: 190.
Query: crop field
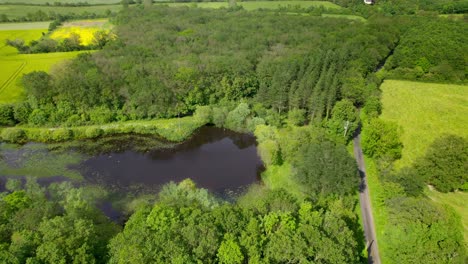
x: 84, y: 28
x: 14, y: 65
x: 425, y: 111
x: 17, y: 11
x: 262, y: 4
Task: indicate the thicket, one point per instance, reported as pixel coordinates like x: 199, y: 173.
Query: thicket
x: 61, y: 224
x: 40, y: 15
x: 275, y: 63
x: 417, y: 229
x: 58, y: 224
x: 431, y: 49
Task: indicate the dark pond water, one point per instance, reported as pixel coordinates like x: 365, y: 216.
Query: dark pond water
x: 216, y: 159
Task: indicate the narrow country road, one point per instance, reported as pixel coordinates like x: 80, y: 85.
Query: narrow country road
x: 366, y: 209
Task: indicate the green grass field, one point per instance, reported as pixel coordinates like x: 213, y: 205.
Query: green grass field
x: 14, y: 65
x: 425, y: 111
x: 254, y: 5
x: 51, y: 2
x: 17, y: 11
x: 457, y: 200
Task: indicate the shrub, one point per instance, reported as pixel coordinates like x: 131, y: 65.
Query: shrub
x: 38, y: 117
x: 14, y: 135
x: 6, y: 115
x: 235, y: 120
x: 74, y: 120
x: 252, y: 123
x: 204, y: 114
x: 94, y: 132
x: 381, y: 139
x: 445, y: 164
x: 219, y: 116
x: 373, y: 107
x: 296, y: 117
x: 101, y: 115
x: 62, y: 134
x: 21, y: 112
x: 269, y: 151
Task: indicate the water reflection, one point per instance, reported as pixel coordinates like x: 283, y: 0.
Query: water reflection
x: 217, y: 159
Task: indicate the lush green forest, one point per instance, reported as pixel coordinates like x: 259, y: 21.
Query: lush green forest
x: 198, y: 57
x: 304, y: 85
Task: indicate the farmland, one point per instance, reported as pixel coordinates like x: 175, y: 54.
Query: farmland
x: 262, y: 4
x: 424, y: 111
x: 45, y: 2
x: 20, y: 11
x: 13, y: 65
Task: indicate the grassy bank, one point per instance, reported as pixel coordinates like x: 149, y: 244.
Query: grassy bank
x: 176, y: 129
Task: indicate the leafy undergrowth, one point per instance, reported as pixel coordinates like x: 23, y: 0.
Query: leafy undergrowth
x: 457, y: 200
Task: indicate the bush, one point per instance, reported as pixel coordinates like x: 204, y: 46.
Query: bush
x: 74, y: 120
x: 219, y: 116
x: 235, y: 120
x: 38, y: 117
x: 270, y: 153
x: 62, y: 134
x: 381, y: 139
x: 6, y: 115
x: 204, y: 114
x: 296, y: 117
x: 445, y: 164
x: 252, y: 123
x: 14, y: 135
x: 21, y: 112
x: 94, y: 132
x: 373, y: 107
x: 101, y: 115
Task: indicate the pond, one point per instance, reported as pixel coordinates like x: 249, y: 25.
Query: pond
x: 219, y: 160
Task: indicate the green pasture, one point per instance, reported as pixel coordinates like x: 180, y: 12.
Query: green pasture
x: 51, y: 2
x: 254, y: 5
x: 14, y: 65
x: 424, y: 111
x: 17, y: 11
x: 24, y: 26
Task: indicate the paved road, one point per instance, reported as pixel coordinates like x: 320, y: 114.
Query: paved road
x: 367, y: 218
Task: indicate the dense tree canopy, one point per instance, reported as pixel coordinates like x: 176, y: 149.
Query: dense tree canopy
x: 166, y: 61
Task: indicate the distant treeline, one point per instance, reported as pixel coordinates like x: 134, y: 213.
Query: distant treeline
x: 41, y: 15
